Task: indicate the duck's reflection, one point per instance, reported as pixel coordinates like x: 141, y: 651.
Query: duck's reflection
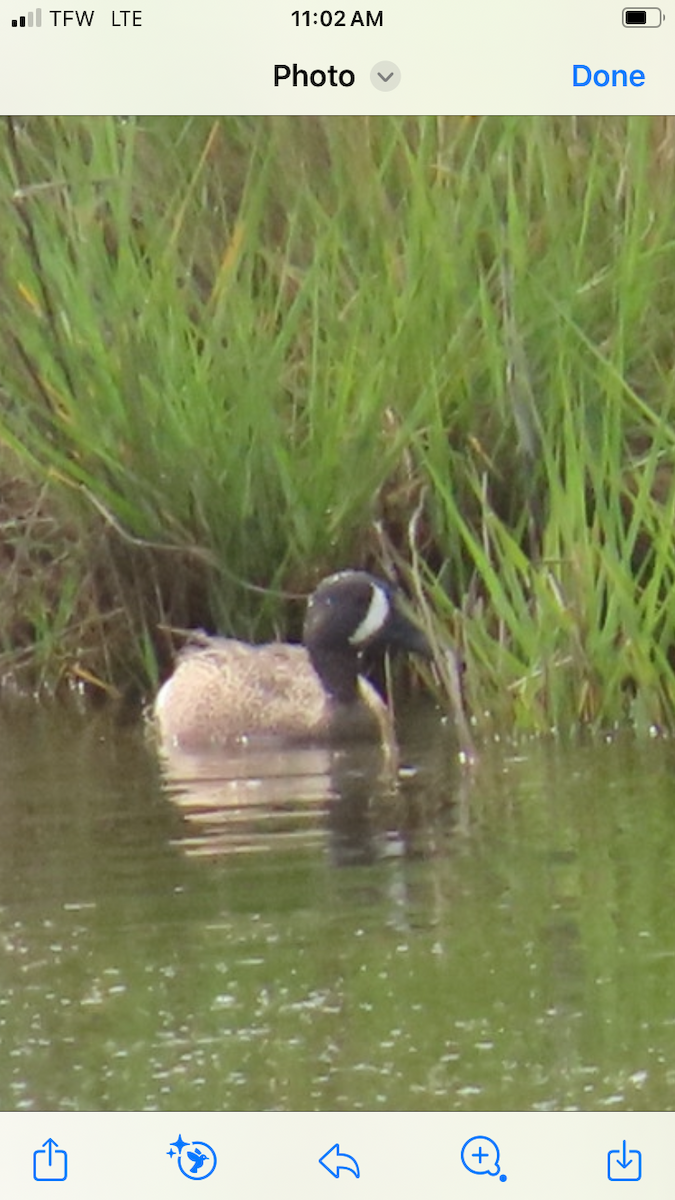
x: 358, y: 804
x: 257, y: 799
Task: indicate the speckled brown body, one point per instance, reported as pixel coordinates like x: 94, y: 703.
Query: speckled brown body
x: 226, y: 691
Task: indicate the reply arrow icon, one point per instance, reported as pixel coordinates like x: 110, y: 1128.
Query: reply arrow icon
x: 334, y: 1162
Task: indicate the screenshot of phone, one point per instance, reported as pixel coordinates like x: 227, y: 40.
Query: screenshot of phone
x: 337, y: 643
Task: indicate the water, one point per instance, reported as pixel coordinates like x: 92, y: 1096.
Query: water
x: 318, y: 936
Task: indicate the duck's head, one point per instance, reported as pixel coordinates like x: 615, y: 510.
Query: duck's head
x: 352, y: 614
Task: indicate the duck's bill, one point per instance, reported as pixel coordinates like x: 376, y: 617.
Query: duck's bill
x: 403, y: 634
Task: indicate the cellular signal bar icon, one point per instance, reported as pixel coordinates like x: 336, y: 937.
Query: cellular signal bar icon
x: 28, y: 20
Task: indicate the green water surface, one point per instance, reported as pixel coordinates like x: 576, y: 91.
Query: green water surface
x: 324, y: 938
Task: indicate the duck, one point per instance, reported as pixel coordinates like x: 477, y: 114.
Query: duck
x: 226, y: 693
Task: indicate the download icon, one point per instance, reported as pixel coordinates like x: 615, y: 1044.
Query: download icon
x: 624, y: 1165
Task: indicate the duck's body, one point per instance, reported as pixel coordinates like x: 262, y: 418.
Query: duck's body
x: 227, y: 691
x: 224, y: 692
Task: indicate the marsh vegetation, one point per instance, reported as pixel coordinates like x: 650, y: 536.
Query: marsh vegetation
x: 241, y: 353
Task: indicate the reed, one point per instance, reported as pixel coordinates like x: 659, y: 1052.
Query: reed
x: 242, y: 352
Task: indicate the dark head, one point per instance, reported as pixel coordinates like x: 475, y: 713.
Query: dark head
x: 350, y: 614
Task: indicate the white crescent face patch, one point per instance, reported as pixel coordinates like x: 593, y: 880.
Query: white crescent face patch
x: 378, y: 611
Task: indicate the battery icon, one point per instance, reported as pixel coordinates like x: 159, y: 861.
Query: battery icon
x: 642, y: 18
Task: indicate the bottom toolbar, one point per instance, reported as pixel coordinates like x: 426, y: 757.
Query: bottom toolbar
x: 467, y: 1155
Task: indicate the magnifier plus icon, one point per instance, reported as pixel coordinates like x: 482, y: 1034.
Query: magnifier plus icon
x: 480, y: 1156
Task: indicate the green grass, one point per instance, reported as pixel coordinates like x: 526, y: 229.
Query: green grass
x: 243, y: 352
